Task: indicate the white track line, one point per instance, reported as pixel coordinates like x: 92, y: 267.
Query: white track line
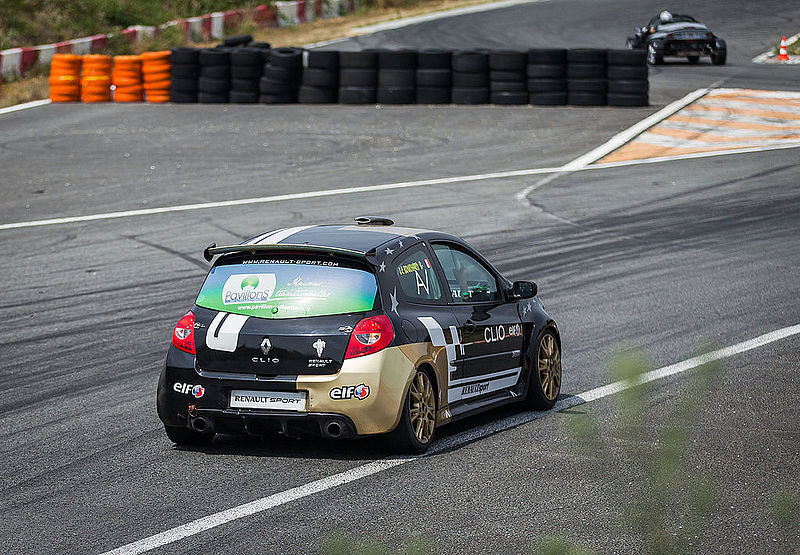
x: 25, y: 106
x: 318, y: 486
x: 616, y: 141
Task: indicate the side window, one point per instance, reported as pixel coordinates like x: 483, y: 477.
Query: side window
x: 468, y: 279
x: 417, y: 278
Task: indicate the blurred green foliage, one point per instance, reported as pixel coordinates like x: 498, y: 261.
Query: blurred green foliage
x: 32, y: 22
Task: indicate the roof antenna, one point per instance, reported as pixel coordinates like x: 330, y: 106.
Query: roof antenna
x: 373, y: 220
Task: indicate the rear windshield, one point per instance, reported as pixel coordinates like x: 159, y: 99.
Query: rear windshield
x: 290, y: 287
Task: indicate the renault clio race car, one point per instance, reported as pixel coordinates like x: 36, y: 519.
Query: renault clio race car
x: 670, y: 34
x: 343, y: 331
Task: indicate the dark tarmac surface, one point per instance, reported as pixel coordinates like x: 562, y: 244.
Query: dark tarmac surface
x: 660, y: 257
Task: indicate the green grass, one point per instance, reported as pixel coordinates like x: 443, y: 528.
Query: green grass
x: 32, y: 22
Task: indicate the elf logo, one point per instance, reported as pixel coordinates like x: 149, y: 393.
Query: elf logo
x: 360, y: 391
x: 188, y: 389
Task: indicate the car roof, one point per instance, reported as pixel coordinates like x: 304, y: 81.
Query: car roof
x: 344, y: 238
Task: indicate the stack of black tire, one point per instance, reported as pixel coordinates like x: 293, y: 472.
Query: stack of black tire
x: 627, y: 78
x: 470, y: 77
x: 547, y: 76
x: 358, y: 77
x: 434, y: 76
x: 397, y: 81
x: 320, y: 81
x: 246, y: 67
x: 586, y: 77
x: 214, y: 83
x: 507, y: 77
x: 237, y: 40
x: 185, y: 68
x: 281, y: 78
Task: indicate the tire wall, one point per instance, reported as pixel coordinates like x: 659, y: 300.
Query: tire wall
x: 245, y: 72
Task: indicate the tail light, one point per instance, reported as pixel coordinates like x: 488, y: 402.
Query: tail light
x: 370, y: 336
x: 709, y: 35
x: 183, y: 336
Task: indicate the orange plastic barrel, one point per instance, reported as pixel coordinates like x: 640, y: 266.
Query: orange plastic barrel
x: 96, y: 78
x: 127, y: 79
x: 156, y: 75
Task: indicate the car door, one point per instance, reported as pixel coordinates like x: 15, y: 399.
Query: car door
x: 490, y: 329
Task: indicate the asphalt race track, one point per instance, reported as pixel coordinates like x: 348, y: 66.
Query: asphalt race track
x: 660, y: 257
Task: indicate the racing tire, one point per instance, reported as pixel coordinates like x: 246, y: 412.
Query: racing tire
x: 244, y: 85
x: 213, y: 57
x: 212, y: 98
x: 470, y: 80
x: 433, y: 95
x: 357, y: 77
x: 623, y: 99
x: 508, y: 86
x: 185, y: 70
x: 246, y: 57
x: 552, y: 98
x: 417, y: 425
x: 316, y: 95
x: 397, y: 95
x: 719, y: 57
x: 434, y: 77
x: 183, y: 55
x: 509, y: 98
x: 215, y: 72
x: 628, y: 87
x: 693, y: 59
x: 284, y: 98
x: 324, y: 59
x: 260, y: 45
x: 626, y: 72
x: 216, y: 86
x: 184, y: 436
x: 626, y: 57
x: 237, y: 40
x: 246, y: 72
x: 358, y: 95
x: 183, y: 84
x: 547, y: 85
x: 586, y: 71
x: 276, y: 73
x: 583, y: 98
x: 507, y: 60
x: 434, y: 59
x: 466, y: 61
x: 290, y: 58
x: 544, y: 374
x: 586, y: 56
x: 396, y: 78
x: 244, y: 97
x: 548, y: 71
x: 655, y: 55
x: 547, y: 56
x: 397, y: 59
x: 182, y: 97
x: 468, y: 96
x: 316, y: 77
x: 508, y: 75
x: 358, y: 60
x: 587, y: 85
x: 269, y: 86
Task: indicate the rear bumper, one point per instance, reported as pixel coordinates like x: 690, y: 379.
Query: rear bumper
x: 688, y: 48
x: 386, y: 374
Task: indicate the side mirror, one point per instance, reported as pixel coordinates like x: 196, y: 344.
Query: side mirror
x: 523, y: 290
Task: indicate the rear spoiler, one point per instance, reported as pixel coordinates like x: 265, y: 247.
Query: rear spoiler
x: 212, y: 250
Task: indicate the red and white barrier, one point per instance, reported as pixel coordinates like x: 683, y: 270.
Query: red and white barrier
x: 15, y: 61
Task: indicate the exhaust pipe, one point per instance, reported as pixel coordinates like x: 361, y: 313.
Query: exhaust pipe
x: 202, y: 425
x: 333, y: 429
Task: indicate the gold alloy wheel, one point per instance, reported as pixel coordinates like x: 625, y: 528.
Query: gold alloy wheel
x: 549, y: 367
x: 422, y: 407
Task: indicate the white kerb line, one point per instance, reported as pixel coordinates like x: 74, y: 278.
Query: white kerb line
x: 617, y: 141
x: 374, y: 467
x: 25, y: 106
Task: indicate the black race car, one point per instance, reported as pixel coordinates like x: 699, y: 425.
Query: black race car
x: 669, y: 34
x: 343, y: 331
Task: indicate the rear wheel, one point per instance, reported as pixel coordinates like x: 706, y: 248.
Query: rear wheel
x: 418, y: 421
x: 545, y: 374
x: 184, y: 436
x: 718, y: 58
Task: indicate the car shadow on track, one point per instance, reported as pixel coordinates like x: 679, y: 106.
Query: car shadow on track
x: 448, y: 438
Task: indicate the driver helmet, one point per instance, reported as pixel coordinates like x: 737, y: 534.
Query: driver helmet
x: 665, y: 16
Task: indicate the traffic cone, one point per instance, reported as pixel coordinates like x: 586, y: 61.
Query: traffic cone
x: 783, y: 55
